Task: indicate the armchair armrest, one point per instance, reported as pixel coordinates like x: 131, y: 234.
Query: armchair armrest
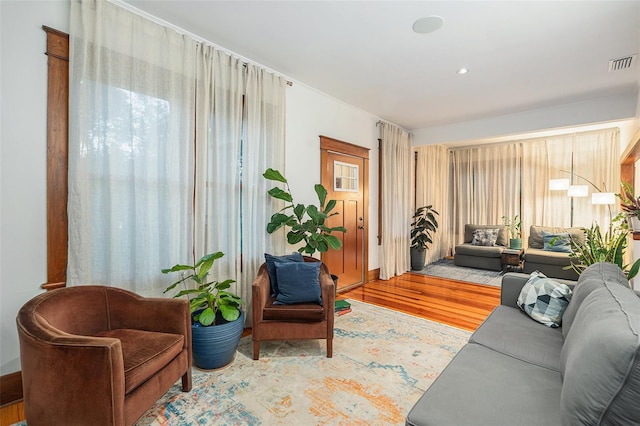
x: 261, y: 289
x: 93, y: 369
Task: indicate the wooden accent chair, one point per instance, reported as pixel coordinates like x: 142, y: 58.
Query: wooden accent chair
x: 292, y: 322
x: 97, y: 355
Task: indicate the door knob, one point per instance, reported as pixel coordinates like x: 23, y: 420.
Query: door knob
x: 361, y: 227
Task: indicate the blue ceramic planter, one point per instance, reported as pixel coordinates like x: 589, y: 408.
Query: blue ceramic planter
x: 215, y: 346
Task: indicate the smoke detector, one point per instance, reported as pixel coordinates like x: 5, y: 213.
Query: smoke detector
x: 622, y: 63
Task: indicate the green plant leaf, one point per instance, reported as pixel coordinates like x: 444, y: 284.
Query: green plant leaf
x: 333, y: 242
x: 278, y: 220
x: 322, y: 193
x: 299, y: 211
x: 330, y: 206
x: 230, y: 313
x: 280, y: 194
x: 207, y: 317
x: 176, y: 268
x: 272, y: 174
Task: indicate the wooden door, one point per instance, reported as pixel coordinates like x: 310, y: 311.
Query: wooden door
x: 344, y: 175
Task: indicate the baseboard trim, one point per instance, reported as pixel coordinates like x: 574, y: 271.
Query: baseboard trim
x: 373, y: 275
x: 11, y: 389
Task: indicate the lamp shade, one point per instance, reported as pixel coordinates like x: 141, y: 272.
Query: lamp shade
x: 558, y: 184
x: 578, y: 191
x: 603, y: 198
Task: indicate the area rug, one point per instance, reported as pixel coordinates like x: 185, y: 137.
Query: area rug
x: 444, y: 268
x: 383, y: 361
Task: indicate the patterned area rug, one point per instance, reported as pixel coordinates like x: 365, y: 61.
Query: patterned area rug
x: 383, y: 361
x: 444, y: 268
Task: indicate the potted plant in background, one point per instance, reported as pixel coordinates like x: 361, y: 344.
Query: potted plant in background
x: 424, y: 223
x: 216, y: 315
x: 609, y: 247
x: 513, y: 226
x: 630, y: 205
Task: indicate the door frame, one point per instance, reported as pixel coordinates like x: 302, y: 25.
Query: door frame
x: 327, y: 145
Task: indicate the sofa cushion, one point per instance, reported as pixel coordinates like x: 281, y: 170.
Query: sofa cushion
x: 592, y: 278
x: 548, y: 257
x: 535, y: 234
x: 601, y: 359
x: 480, y: 251
x: 484, y: 387
x: 556, y: 242
x: 485, y: 237
x: 511, y: 332
x: 502, y: 239
x: 144, y: 353
x: 544, y: 299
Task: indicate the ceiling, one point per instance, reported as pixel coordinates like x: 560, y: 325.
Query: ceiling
x: 521, y: 55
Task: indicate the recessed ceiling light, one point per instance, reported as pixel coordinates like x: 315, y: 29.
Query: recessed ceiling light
x: 428, y: 25
x: 462, y: 71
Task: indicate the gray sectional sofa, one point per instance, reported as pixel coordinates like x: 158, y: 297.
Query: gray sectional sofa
x: 478, y: 256
x: 550, y: 263
x: 516, y: 371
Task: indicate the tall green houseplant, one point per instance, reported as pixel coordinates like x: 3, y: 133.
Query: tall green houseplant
x: 608, y: 246
x: 424, y: 223
x: 306, y: 223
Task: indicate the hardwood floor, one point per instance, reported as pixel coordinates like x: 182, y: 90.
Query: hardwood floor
x: 459, y: 304
x: 456, y: 303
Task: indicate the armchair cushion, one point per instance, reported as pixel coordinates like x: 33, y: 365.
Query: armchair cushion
x: 298, y: 282
x: 271, y: 260
x: 144, y: 353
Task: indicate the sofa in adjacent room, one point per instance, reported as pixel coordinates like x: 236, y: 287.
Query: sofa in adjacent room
x: 482, y: 247
x: 518, y: 371
x: 551, y: 259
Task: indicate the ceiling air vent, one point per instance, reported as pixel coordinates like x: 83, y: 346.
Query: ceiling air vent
x: 622, y: 63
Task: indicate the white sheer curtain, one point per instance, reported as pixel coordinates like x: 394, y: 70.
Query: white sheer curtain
x: 397, y: 191
x: 130, y: 148
x: 432, y: 188
x: 486, y: 185
x: 169, y: 139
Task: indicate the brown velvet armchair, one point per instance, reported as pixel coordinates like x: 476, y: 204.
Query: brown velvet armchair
x: 292, y: 322
x: 97, y: 355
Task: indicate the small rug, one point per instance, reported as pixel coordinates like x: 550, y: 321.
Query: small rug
x: 383, y: 361
x: 444, y: 268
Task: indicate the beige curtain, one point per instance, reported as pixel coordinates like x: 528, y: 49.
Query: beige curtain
x: 486, y: 185
x: 432, y: 183
x: 587, y: 158
x: 397, y: 195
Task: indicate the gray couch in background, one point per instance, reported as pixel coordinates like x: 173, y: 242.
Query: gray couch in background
x: 516, y: 371
x: 550, y: 263
x: 483, y: 257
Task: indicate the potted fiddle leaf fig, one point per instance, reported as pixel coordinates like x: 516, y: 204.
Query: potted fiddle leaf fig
x: 306, y: 223
x: 424, y: 223
x: 216, y: 315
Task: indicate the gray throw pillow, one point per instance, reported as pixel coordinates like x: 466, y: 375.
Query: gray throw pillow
x: 544, y: 299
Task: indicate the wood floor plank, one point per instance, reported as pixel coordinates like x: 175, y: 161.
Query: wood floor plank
x: 456, y: 303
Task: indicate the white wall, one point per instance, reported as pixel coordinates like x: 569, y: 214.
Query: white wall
x: 311, y: 114
x: 23, y: 95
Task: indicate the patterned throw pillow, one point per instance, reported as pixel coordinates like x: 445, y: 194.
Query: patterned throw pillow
x: 485, y: 237
x: 556, y: 242
x: 544, y: 299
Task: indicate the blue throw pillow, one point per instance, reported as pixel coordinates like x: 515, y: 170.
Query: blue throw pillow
x: 271, y: 260
x: 298, y: 283
x: 556, y: 242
